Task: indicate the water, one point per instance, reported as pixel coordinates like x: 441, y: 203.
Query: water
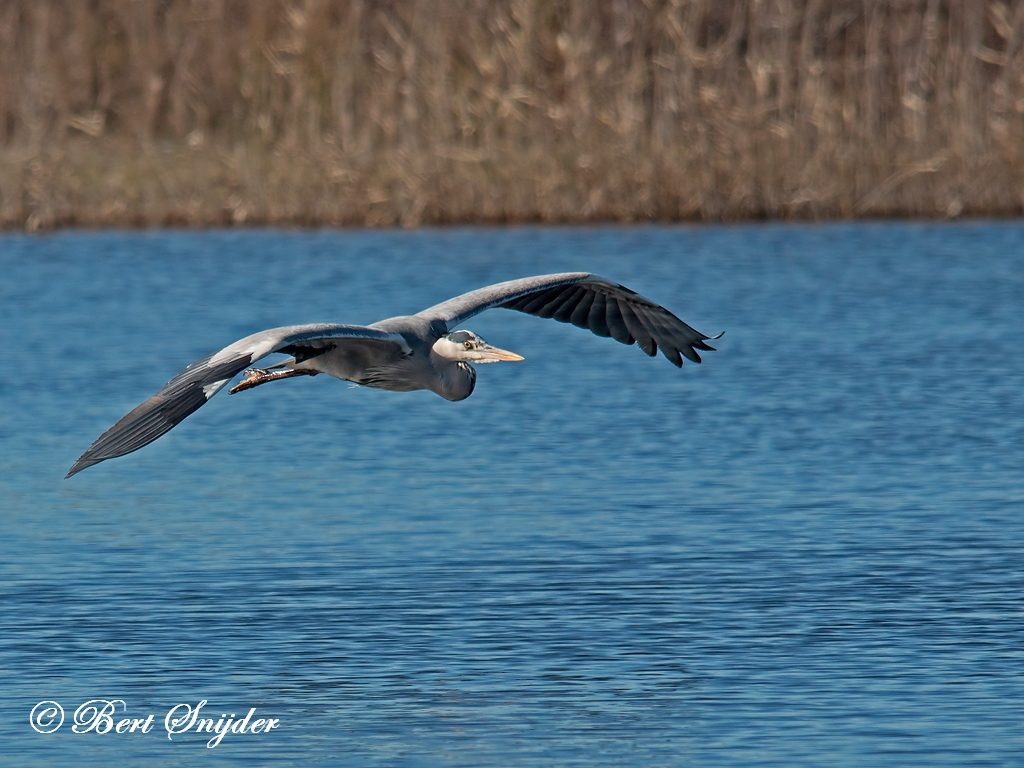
x: 806, y: 551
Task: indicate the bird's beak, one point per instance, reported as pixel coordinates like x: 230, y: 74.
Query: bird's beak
x: 490, y: 354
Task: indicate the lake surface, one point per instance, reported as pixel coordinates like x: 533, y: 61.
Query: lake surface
x: 808, y: 550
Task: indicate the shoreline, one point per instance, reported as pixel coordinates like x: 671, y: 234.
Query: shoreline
x: 173, y: 225
x: 110, y: 183
x: 176, y: 223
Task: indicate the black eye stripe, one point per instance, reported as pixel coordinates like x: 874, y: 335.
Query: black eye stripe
x: 468, y: 339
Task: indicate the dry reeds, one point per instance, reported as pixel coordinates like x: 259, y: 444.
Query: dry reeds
x: 201, y: 112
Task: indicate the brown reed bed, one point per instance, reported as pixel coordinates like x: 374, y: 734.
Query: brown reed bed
x: 407, y: 112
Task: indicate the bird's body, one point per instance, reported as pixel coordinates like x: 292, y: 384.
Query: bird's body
x: 405, y: 353
x: 397, y: 368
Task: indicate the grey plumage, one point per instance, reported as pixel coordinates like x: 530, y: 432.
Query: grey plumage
x: 422, y: 351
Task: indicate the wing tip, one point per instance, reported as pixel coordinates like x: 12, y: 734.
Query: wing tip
x: 80, y: 464
x: 702, y: 344
x: 691, y: 354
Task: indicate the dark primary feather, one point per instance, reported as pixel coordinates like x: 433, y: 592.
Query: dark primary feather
x: 587, y: 301
x: 201, y: 380
x: 180, y: 397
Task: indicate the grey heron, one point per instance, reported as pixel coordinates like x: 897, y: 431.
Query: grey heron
x: 422, y: 351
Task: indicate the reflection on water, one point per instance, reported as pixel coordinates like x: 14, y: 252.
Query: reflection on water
x: 808, y: 547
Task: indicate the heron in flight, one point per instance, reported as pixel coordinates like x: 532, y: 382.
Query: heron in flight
x: 402, y: 354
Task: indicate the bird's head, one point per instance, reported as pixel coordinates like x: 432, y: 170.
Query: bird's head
x: 466, y: 346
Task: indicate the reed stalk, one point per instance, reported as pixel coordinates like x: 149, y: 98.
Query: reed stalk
x: 409, y: 112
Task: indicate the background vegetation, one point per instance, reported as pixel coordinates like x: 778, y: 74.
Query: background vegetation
x: 405, y: 112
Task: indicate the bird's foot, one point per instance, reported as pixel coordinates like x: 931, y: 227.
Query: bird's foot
x: 253, y: 378
x: 256, y: 376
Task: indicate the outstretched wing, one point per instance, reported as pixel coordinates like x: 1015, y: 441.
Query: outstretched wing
x: 201, y: 380
x: 587, y: 301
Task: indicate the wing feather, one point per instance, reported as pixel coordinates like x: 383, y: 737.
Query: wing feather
x: 565, y: 310
x: 532, y: 303
x: 556, y: 300
x: 191, y: 388
x: 644, y: 339
x: 613, y: 318
x: 581, y: 314
x: 597, y: 320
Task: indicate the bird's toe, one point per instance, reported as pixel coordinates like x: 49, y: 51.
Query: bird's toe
x: 250, y: 379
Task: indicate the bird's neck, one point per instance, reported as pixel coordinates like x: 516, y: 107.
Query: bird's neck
x: 455, y: 379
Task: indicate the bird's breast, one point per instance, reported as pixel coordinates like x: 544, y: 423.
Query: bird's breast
x: 455, y: 381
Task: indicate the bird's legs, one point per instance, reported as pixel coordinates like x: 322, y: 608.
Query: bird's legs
x: 256, y: 376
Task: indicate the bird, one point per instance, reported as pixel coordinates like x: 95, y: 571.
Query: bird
x: 427, y: 350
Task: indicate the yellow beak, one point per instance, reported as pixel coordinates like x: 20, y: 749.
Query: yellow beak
x: 489, y: 354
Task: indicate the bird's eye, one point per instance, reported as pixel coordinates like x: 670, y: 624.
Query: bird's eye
x: 468, y: 344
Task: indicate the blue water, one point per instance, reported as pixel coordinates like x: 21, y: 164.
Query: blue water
x: 807, y: 551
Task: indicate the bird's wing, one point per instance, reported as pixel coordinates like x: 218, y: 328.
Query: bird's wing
x: 585, y: 300
x: 201, y: 380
